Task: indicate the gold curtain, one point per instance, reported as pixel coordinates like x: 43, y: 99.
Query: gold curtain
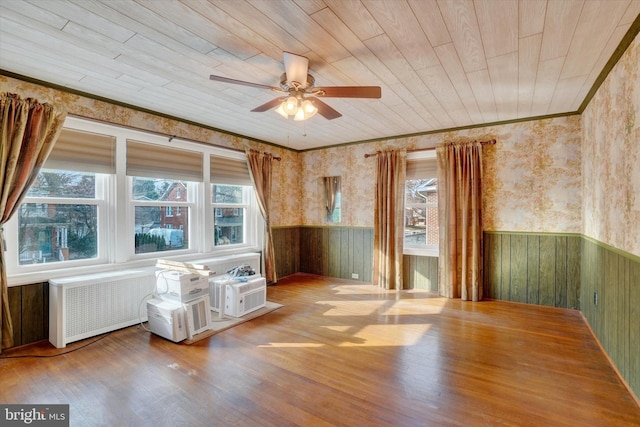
x: 331, y: 188
x: 460, y: 213
x: 389, y: 219
x: 260, y: 167
x: 27, y: 134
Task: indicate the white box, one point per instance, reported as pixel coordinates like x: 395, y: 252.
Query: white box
x: 244, y: 297
x: 181, y: 287
x: 166, y: 319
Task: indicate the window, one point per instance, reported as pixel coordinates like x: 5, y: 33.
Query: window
x: 230, y: 204
x: 421, y: 234
x: 58, y: 219
x: 61, y: 221
x: 235, y: 213
x: 109, y: 197
x: 156, y: 228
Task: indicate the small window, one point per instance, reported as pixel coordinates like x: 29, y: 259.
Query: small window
x: 231, y: 203
x: 421, y: 234
x: 421, y: 215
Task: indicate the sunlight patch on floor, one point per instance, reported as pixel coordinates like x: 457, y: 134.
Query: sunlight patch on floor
x: 387, y: 335
x: 352, y: 308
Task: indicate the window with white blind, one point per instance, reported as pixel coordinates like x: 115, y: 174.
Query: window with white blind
x: 61, y: 219
x: 109, y: 197
x: 233, y: 207
x: 163, y: 180
x: 421, y: 232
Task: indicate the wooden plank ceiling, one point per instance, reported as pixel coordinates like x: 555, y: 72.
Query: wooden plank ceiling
x: 440, y: 63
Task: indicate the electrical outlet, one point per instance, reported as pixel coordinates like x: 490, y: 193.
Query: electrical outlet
x: 595, y: 298
x: 355, y: 276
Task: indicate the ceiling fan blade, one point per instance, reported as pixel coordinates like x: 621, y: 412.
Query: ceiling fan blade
x: 243, y: 83
x: 324, y: 110
x: 296, y: 68
x: 348, y: 91
x: 269, y: 105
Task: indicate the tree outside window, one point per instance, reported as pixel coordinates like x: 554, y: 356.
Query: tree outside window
x: 58, y: 220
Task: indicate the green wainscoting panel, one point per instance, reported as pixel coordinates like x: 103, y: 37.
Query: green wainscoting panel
x: 633, y: 375
x: 286, y: 246
x: 533, y: 268
x: 337, y: 252
x: 610, y: 295
x: 420, y: 272
x: 15, y: 309
x: 29, y: 308
x: 546, y: 271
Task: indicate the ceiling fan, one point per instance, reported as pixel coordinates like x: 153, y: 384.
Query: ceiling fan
x: 301, y: 99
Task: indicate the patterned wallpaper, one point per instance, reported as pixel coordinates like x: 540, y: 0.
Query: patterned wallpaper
x: 611, y: 166
x: 532, y: 176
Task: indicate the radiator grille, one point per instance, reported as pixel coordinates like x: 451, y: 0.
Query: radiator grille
x: 84, y: 306
x: 105, y: 306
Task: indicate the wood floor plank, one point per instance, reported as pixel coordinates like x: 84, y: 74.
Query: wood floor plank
x: 339, y: 353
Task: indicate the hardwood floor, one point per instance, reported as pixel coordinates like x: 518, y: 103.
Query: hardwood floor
x: 339, y: 353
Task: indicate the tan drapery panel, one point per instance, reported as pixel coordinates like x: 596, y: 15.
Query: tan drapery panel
x: 27, y: 135
x: 389, y: 219
x: 260, y: 167
x: 460, y: 212
x: 331, y: 188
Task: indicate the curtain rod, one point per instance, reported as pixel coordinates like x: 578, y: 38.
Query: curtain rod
x: 169, y: 137
x: 488, y: 142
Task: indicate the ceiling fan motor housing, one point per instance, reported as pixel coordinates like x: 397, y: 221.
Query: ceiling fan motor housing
x: 296, y: 86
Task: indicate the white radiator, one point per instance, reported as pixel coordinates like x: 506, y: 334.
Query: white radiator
x: 84, y: 306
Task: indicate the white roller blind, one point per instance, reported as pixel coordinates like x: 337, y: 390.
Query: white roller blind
x: 422, y: 168
x: 83, y: 152
x: 157, y: 161
x: 229, y: 171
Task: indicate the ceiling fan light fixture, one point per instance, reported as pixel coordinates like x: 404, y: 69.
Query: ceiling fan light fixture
x: 298, y: 107
x: 290, y: 105
x: 309, y: 108
x: 280, y: 110
x: 300, y: 115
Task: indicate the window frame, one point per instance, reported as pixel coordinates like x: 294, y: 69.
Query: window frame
x: 117, y: 219
x: 251, y: 218
x: 191, y: 208
x: 427, y: 250
x: 102, y: 183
